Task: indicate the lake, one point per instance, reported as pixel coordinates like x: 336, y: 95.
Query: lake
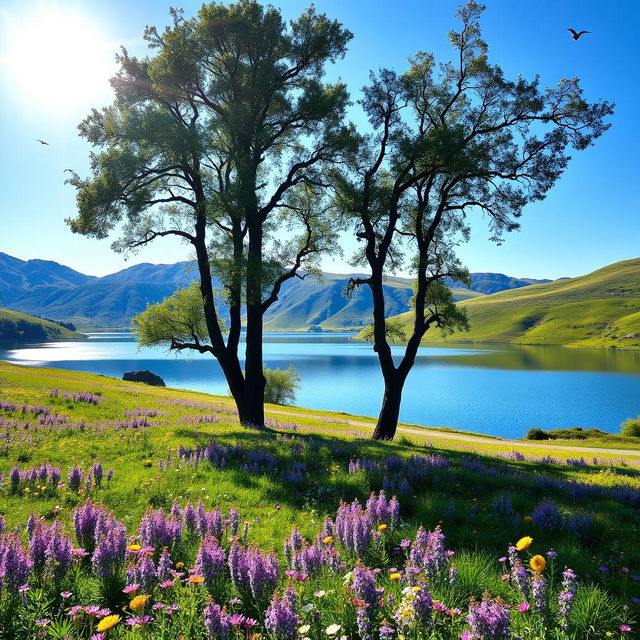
x: 496, y: 389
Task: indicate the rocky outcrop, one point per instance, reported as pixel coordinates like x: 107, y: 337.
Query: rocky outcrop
x: 145, y: 376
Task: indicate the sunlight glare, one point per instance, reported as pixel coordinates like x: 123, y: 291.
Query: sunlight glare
x: 57, y: 59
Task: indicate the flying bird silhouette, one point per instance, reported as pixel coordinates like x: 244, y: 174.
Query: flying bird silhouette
x: 576, y: 34
x: 42, y: 141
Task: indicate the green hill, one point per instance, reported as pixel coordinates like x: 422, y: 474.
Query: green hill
x: 600, y: 309
x: 15, y: 326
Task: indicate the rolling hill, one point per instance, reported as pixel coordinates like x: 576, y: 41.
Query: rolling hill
x: 600, y: 309
x: 18, y: 327
x: 52, y: 290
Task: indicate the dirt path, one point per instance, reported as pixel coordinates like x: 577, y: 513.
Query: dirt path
x: 425, y: 431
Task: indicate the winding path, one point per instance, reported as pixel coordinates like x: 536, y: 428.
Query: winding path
x: 462, y: 437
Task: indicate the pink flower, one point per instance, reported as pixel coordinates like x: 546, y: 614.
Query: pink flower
x: 523, y: 607
x: 624, y: 628
x: 505, y: 577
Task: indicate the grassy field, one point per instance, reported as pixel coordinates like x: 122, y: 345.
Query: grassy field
x: 43, y: 328
x: 168, y: 448
x: 601, y: 310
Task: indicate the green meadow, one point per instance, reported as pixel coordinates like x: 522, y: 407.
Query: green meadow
x: 483, y: 497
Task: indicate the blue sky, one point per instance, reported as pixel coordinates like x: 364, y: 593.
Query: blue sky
x: 49, y: 52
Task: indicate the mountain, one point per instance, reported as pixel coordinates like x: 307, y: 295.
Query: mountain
x: 52, y: 290
x: 17, y: 327
x: 493, y: 282
x: 600, y: 309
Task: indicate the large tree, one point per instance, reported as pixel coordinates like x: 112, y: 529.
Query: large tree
x: 448, y: 141
x: 220, y: 138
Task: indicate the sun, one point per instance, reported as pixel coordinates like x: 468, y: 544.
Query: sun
x: 57, y: 58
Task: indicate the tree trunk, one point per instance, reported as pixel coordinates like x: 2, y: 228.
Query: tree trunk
x: 253, y: 375
x: 390, y: 410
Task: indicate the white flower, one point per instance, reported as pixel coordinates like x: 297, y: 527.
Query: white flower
x: 347, y: 578
x: 332, y: 629
x: 307, y: 607
x: 304, y: 629
x: 320, y: 593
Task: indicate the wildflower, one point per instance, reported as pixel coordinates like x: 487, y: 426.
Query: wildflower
x: 327, y: 539
x: 139, y: 621
x: 382, y: 527
x: 538, y: 563
x: 139, y: 602
x: 131, y: 588
x: 489, y: 620
x: 395, y: 576
x: 106, y: 623
x: 281, y: 618
x: 179, y: 565
x: 566, y: 597
x: 42, y: 622
x: 524, y: 543
x: 65, y: 594
x: 166, y: 584
x: 528, y: 518
x: 196, y: 579
x: 624, y: 628
x: 319, y: 594
x: 523, y: 607
x: 147, y: 463
x: 333, y: 629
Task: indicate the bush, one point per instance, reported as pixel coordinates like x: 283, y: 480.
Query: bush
x: 537, y: 434
x: 281, y: 385
x: 631, y: 427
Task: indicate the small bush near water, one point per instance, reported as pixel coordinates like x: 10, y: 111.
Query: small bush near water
x: 631, y: 427
x: 281, y: 385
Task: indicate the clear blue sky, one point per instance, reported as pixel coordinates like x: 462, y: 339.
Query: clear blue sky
x: 49, y: 50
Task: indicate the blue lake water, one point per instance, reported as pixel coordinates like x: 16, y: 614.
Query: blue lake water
x: 497, y: 389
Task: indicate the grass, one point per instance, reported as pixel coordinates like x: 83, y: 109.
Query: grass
x: 597, y: 310
x: 52, y: 330
x: 483, y: 502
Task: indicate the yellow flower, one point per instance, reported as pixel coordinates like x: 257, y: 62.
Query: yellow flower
x: 147, y: 463
x: 416, y: 589
x: 395, y: 576
x: 134, y: 547
x: 524, y: 543
x: 139, y: 601
x: 528, y: 518
x: 27, y: 490
x: 538, y: 563
x: 179, y: 565
x: 608, y: 634
x: 108, y: 622
x: 328, y: 540
x: 196, y: 579
x: 382, y: 527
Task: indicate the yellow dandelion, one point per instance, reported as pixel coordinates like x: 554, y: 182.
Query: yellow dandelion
x: 328, y: 540
x: 382, y: 527
x: 538, y: 563
x: 139, y: 602
x: 106, y: 623
x: 134, y: 547
x: 395, y: 576
x: 524, y: 543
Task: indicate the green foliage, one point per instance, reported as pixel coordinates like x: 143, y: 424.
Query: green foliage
x: 631, y: 427
x: 20, y: 326
x: 281, y: 385
x: 537, y: 434
x: 176, y: 321
x: 393, y: 331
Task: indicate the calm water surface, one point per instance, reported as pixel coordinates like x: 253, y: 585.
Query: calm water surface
x: 497, y: 389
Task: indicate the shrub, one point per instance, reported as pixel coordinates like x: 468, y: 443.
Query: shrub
x: 281, y: 385
x: 631, y: 427
x: 537, y: 434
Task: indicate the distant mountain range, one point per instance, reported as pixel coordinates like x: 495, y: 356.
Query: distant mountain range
x: 49, y: 289
x: 599, y: 310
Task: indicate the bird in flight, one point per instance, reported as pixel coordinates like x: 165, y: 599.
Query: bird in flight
x: 576, y: 34
x: 42, y: 141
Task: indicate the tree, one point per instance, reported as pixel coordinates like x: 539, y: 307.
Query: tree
x: 447, y: 142
x: 282, y: 385
x: 220, y: 139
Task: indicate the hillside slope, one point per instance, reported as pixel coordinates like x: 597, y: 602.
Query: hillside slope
x: 600, y: 309
x: 19, y: 327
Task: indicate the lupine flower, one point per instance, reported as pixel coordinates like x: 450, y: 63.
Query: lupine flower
x: 216, y: 622
x: 567, y: 597
x: 281, y: 618
x: 489, y: 620
x: 539, y: 592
